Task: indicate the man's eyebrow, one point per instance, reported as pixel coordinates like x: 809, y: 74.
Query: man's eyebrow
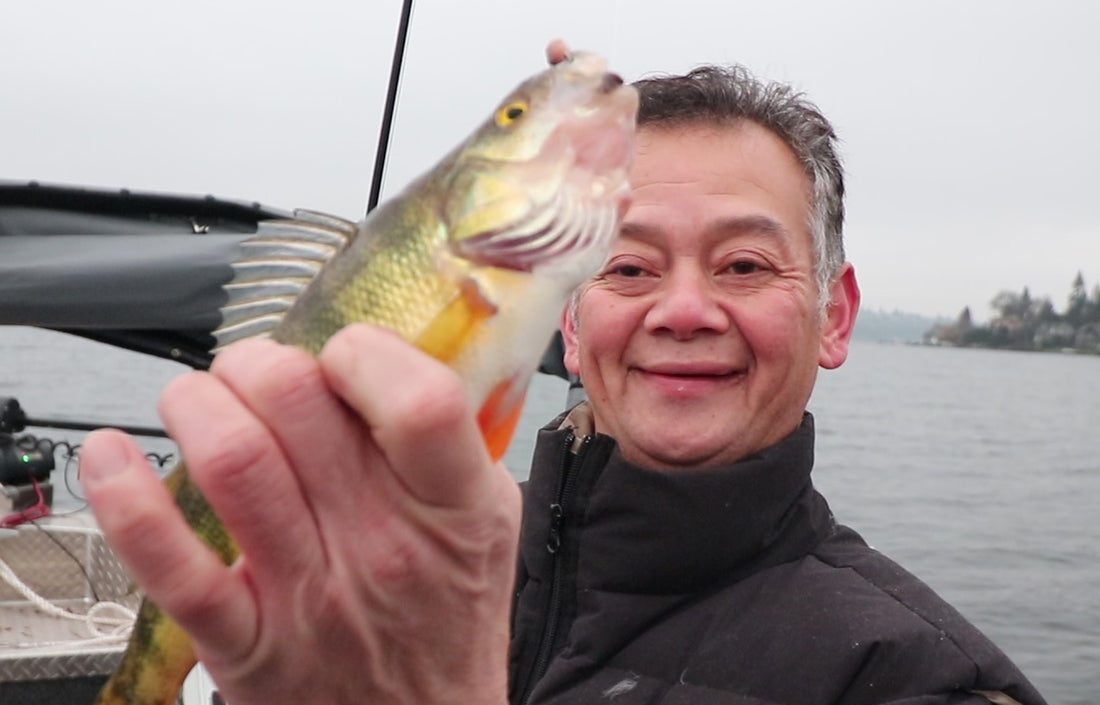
x: 733, y: 225
x: 638, y: 231
x: 748, y: 224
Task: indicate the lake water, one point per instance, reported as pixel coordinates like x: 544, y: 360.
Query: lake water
x: 977, y: 470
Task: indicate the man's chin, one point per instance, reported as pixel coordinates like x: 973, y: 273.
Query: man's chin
x: 661, y: 451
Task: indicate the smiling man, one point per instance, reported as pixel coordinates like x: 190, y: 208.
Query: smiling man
x: 673, y: 548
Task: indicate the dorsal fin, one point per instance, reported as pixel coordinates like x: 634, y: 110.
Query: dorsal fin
x: 277, y: 264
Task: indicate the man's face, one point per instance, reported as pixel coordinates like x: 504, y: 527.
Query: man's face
x: 699, y: 341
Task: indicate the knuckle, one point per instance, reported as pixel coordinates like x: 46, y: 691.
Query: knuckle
x: 189, y: 594
x: 395, y: 559
x: 267, y: 374
x: 398, y: 566
x: 243, y: 354
x: 180, y: 389
x: 133, y: 521
x: 227, y: 465
x: 437, y: 402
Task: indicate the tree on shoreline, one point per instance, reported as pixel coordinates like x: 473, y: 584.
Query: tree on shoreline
x: 1022, y: 322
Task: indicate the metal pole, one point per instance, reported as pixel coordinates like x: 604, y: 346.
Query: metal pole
x: 391, y: 102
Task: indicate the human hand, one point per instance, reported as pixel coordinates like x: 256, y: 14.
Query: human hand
x: 378, y: 538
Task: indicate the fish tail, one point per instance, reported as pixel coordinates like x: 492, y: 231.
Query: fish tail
x: 157, y: 660
x: 159, y: 655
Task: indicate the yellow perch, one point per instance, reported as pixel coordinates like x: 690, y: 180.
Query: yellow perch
x: 472, y: 263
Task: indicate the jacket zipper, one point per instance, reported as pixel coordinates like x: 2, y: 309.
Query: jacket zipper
x: 567, y: 489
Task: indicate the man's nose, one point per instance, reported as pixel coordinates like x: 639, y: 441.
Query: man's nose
x: 686, y: 304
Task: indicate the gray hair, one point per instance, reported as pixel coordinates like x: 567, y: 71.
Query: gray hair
x: 725, y: 95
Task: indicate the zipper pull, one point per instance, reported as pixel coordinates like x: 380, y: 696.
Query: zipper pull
x: 565, y: 492
x: 557, y: 517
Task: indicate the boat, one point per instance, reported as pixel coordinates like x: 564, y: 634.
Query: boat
x: 139, y: 271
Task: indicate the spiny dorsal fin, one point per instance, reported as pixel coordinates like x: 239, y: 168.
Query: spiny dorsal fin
x: 279, y: 261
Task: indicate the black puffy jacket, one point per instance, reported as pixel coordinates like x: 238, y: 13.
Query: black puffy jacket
x: 730, y: 585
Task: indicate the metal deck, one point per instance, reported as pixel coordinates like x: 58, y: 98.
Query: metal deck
x: 65, y: 561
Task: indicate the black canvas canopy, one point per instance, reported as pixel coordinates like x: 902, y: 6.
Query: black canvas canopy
x: 141, y: 271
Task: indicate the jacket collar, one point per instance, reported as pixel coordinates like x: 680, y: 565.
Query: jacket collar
x: 637, y: 530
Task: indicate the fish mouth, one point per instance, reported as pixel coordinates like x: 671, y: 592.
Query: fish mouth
x: 610, y: 82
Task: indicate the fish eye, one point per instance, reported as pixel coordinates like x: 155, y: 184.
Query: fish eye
x: 510, y: 113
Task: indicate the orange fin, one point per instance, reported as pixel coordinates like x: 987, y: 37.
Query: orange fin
x: 499, y: 416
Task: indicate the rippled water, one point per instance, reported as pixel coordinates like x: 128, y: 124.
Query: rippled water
x: 977, y: 470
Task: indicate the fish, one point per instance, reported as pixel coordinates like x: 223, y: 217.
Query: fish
x: 473, y: 262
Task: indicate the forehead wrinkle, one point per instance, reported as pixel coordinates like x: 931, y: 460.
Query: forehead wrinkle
x: 721, y: 228
x: 641, y: 232
x: 749, y: 225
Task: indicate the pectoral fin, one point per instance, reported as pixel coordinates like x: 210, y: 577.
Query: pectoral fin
x: 450, y: 331
x: 500, y: 415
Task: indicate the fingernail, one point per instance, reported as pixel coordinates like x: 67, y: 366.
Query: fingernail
x: 103, y: 456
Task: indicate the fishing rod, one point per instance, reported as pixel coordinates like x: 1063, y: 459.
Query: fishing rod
x: 391, y: 103
x: 13, y: 419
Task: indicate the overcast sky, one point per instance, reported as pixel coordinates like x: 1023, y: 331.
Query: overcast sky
x: 969, y: 129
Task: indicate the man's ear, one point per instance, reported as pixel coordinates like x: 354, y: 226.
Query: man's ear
x: 571, y: 357
x: 840, y: 318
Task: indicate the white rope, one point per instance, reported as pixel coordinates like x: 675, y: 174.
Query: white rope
x: 105, y: 629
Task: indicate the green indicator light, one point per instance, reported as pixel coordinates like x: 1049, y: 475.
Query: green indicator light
x: 26, y: 458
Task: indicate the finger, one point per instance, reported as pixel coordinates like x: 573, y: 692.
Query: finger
x: 140, y: 520
x: 284, y: 388
x: 242, y: 472
x: 418, y: 413
x: 557, y: 51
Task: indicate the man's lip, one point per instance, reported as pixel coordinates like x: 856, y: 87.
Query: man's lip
x: 690, y: 382
x: 690, y: 370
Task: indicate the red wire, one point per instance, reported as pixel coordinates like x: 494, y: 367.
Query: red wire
x: 36, y: 511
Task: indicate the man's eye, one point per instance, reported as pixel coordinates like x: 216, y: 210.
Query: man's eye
x: 628, y: 270
x: 744, y: 267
